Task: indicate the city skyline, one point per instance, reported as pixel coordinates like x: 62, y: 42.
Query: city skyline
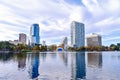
x: 99, y: 16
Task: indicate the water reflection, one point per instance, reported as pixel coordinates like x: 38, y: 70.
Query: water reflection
x: 64, y: 57
x: 21, y: 60
x: 51, y: 66
x: 94, y: 60
x: 43, y: 56
x: 34, y: 66
x: 6, y: 56
x: 78, y: 66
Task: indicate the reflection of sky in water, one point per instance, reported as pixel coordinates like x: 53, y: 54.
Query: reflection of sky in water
x: 60, y: 66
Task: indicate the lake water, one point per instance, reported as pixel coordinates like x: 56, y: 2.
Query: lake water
x: 60, y: 66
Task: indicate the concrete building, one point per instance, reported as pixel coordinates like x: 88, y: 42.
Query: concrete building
x: 65, y: 43
x: 77, y: 34
x: 15, y: 42
x: 22, y: 38
x: 34, y: 35
x: 94, y: 40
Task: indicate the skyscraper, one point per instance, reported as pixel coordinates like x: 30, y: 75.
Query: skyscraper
x: 34, y: 34
x: 94, y: 40
x: 77, y: 34
x: 22, y: 38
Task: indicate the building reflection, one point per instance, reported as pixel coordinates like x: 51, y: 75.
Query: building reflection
x: 21, y: 60
x: 78, y: 66
x: 64, y: 57
x: 94, y: 60
x: 34, y: 65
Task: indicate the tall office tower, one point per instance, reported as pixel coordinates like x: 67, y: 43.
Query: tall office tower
x: 77, y: 34
x: 94, y: 40
x: 22, y: 38
x: 34, y: 35
x: 65, y: 43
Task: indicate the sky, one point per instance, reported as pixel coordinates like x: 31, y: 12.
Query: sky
x: 54, y: 18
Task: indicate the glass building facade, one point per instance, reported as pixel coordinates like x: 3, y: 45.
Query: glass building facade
x: 34, y: 33
x: 77, y: 34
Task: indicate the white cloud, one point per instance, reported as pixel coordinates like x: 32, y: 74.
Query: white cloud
x: 55, y: 16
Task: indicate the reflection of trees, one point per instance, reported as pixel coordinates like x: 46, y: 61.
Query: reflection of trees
x: 21, y: 60
x: 43, y: 56
x: 53, y: 55
x: 78, y: 65
x: 21, y: 57
x: 94, y: 60
x: 6, y: 56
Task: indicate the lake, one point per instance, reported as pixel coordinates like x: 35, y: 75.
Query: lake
x: 60, y: 66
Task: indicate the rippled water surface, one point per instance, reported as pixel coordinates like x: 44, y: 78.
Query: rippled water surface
x: 60, y: 66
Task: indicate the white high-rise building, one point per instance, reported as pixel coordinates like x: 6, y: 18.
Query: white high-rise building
x: 77, y: 34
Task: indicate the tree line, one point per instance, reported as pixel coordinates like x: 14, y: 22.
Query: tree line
x: 112, y: 47
x: 5, y: 45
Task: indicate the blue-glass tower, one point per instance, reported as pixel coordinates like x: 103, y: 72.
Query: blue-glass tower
x: 34, y: 33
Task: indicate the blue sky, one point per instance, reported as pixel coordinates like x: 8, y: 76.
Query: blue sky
x: 55, y: 16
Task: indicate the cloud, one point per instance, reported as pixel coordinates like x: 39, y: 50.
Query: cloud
x: 55, y: 16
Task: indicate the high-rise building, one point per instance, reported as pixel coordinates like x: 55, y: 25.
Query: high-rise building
x: 65, y: 43
x: 22, y: 38
x: 77, y: 34
x: 34, y: 35
x: 94, y: 40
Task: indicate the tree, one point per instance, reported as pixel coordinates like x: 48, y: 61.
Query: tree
x: 53, y: 47
x: 36, y: 48
x: 43, y: 48
x: 114, y: 47
x: 88, y: 48
x: 82, y: 48
x: 93, y: 48
x: 71, y: 49
x: 5, y: 45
